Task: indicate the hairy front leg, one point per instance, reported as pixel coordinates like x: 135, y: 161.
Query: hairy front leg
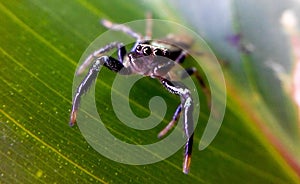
x: 110, y: 63
x: 187, y: 110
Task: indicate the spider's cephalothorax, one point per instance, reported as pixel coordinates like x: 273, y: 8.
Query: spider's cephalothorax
x: 148, y: 60
x: 153, y: 58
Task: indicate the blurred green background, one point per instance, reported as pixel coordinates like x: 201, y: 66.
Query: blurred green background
x: 41, y: 43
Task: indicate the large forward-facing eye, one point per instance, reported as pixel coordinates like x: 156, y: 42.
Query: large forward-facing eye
x: 147, y: 51
x: 158, y: 52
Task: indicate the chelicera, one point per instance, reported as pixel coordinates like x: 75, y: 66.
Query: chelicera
x: 153, y: 58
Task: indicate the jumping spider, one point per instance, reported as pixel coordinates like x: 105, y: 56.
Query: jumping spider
x: 142, y: 60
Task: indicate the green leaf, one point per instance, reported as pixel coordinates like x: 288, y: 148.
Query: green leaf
x: 41, y: 44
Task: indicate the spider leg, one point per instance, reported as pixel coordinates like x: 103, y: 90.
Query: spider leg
x: 181, y: 57
x: 172, y: 123
x: 188, y: 72
x: 99, y: 52
x: 205, y: 89
x: 109, y: 62
x: 187, y: 108
x: 148, y: 26
x: 123, y: 28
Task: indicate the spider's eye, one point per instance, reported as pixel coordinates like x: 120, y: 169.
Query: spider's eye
x: 147, y: 51
x: 166, y: 53
x: 138, y: 48
x: 158, y: 52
